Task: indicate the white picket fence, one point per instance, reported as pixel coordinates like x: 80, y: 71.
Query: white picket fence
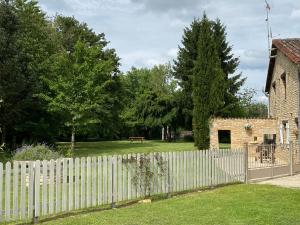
x: 40, y: 189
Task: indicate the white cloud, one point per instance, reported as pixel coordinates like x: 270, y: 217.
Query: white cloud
x: 262, y: 98
x: 172, y: 52
x: 295, y: 14
x: 167, y: 5
x: 145, y: 32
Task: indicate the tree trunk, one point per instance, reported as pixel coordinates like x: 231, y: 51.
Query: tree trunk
x: 163, y: 133
x: 168, y: 133
x: 73, y: 139
x: 3, y: 136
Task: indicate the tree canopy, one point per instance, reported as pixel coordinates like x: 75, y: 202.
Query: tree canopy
x: 151, y: 100
x: 184, y: 65
x: 61, y: 80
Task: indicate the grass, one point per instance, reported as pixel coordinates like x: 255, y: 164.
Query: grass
x: 125, y: 147
x: 224, y: 146
x: 238, y: 204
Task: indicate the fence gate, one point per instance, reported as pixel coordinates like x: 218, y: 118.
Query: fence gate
x: 270, y: 161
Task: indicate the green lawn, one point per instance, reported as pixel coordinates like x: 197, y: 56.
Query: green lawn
x: 125, y: 147
x: 238, y: 205
x: 224, y: 146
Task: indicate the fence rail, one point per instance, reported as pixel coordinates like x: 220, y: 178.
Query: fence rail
x: 42, y: 188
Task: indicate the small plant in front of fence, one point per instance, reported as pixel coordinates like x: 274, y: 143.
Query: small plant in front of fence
x: 35, y: 152
x: 145, y: 171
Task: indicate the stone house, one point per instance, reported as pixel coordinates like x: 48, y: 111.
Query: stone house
x: 282, y: 87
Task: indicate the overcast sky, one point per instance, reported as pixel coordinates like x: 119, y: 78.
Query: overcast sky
x: 148, y: 32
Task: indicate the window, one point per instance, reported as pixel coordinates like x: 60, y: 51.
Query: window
x: 283, y: 79
x: 274, y: 86
x: 255, y: 138
x: 224, y: 137
x: 269, y: 139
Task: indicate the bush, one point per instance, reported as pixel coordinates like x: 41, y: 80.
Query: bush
x: 64, y: 150
x: 188, y: 138
x: 35, y: 152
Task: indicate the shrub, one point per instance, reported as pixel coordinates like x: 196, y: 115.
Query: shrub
x: 35, y: 152
x: 188, y: 138
x: 64, y: 150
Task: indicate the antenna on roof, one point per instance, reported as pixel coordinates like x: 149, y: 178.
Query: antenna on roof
x: 268, y: 9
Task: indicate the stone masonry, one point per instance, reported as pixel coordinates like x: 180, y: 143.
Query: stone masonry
x: 283, y: 95
x: 239, y: 133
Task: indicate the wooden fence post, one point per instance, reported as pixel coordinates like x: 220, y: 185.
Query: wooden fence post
x: 246, y: 162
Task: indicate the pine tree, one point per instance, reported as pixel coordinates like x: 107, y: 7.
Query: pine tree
x: 208, y: 84
x: 229, y: 65
x: 183, y: 69
x: 184, y: 65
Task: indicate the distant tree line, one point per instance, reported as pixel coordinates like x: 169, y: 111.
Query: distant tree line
x: 59, y: 80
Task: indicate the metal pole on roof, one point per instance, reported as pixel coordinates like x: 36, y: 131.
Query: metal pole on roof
x: 268, y: 9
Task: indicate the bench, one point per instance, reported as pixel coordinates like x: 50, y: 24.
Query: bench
x: 132, y: 139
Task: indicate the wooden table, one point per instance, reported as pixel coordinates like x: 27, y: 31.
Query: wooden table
x: 132, y: 139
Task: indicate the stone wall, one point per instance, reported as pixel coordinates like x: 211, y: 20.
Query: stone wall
x: 284, y: 105
x: 240, y: 135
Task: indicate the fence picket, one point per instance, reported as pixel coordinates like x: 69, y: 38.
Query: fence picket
x: 94, y: 181
x: 7, y: 190
x: 15, y: 189
x: 198, y: 168
x: 76, y: 186
x: 82, y: 183
x: 109, y: 179
x: 58, y: 186
x: 211, y: 153
x: 114, y: 179
x: 119, y: 177
x: 99, y: 178
x: 1, y: 192
x: 124, y: 180
x: 30, y: 189
x: 88, y: 182
x: 51, y: 186
x: 64, y: 185
x: 129, y: 185
x: 22, y: 191
x: 71, y: 178
x: 204, y: 166
x: 37, y: 181
x: 178, y: 172
x: 105, y: 177
x: 138, y: 189
x: 170, y: 174
x: 134, y: 170
x: 45, y: 192
x: 155, y: 173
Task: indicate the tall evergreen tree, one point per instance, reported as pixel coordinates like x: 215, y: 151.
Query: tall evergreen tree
x: 185, y: 63
x: 208, y: 84
x: 229, y: 65
x: 183, y: 70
